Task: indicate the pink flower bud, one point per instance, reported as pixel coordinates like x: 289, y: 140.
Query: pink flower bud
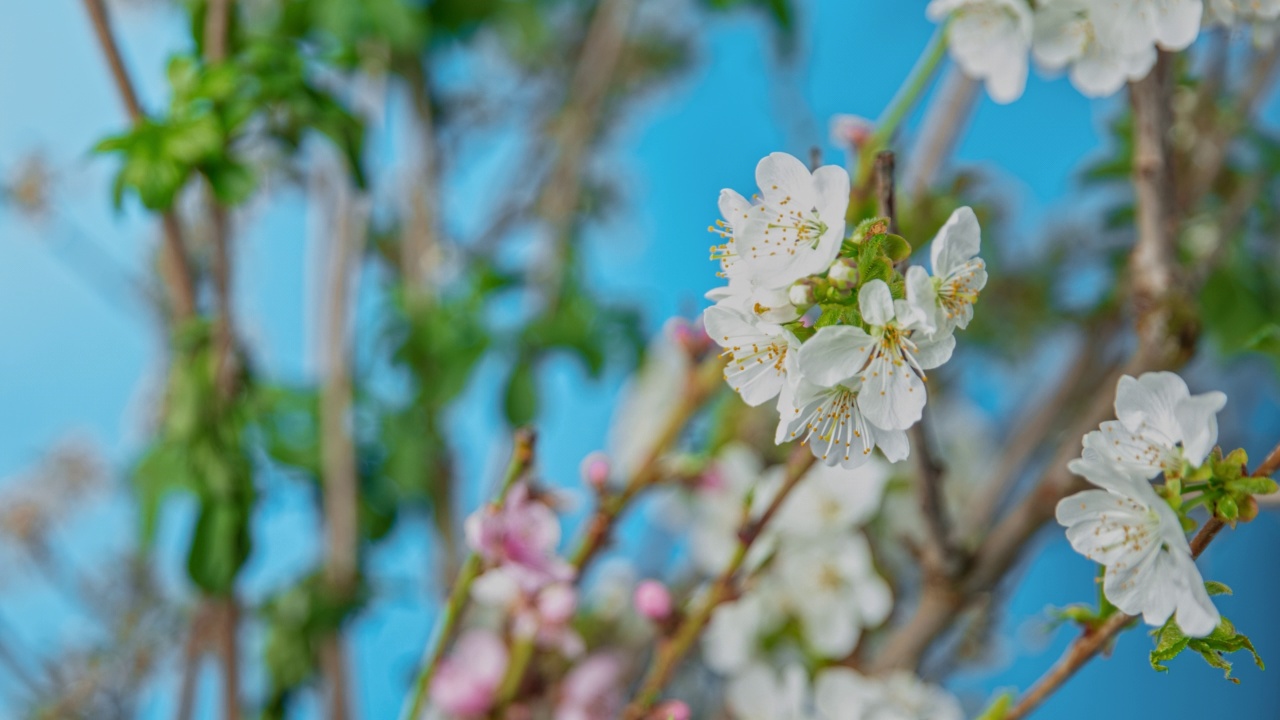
x: 672, y: 710
x: 466, y: 683
x: 851, y: 130
x: 595, y: 469
x: 653, y: 600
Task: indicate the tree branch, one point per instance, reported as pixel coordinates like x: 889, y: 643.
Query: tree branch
x: 671, y: 652
x: 176, y: 267
x: 947, y: 118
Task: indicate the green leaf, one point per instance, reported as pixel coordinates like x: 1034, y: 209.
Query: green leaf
x: 161, y: 471
x: 219, y: 546
x: 1171, y: 642
x: 998, y: 707
x: 232, y: 182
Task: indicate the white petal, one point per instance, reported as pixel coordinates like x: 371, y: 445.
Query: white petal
x: 780, y: 175
x: 831, y: 186
x: 1177, y: 22
x: 893, y: 443
x: 1152, y: 398
x: 842, y: 693
x: 892, y: 396
x: 875, y: 302
x: 1197, y: 615
x: 959, y: 240
x: 1197, y: 420
x: 932, y: 352
x: 835, y: 354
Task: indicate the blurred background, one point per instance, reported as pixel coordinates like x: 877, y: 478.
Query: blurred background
x: 520, y: 223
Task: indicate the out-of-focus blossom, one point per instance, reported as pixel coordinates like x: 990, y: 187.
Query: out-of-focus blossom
x: 850, y: 131
x: 672, y: 710
x: 595, y: 470
x: 518, y: 539
x: 832, y: 500
x: 645, y: 408
x: 842, y: 694
x: 593, y: 689
x: 759, y: 693
x: 653, y: 600
x: 989, y: 40
x: 466, y: 683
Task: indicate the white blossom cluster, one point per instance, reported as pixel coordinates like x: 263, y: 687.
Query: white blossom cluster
x: 1102, y: 44
x: 813, y: 590
x: 1162, y: 429
x: 857, y: 382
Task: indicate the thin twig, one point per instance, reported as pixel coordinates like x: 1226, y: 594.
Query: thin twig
x: 948, y: 116
x: 522, y: 456
x: 177, y: 272
x: 670, y: 654
x: 341, y: 489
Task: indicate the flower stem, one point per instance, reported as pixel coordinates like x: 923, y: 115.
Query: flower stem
x: 447, y: 627
x: 903, y: 101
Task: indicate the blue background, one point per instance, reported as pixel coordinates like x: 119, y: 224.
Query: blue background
x: 85, y: 357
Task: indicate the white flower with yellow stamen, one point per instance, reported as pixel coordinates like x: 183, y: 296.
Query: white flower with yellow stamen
x: 1134, y: 533
x: 885, y: 364
x: 1067, y: 33
x: 796, y: 227
x: 828, y: 420
x: 958, y: 273
x: 761, y: 355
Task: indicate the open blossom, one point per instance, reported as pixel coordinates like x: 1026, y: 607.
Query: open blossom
x: 989, y: 40
x: 592, y: 690
x: 745, y: 292
x: 646, y: 404
x: 1161, y: 425
x: 1234, y: 12
x: 759, y: 693
x: 889, y: 359
x: 519, y: 540
x: 1067, y: 33
x: 958, y: 273
x: 762, y: 356
x: 721, y: 502
x: 842, y: 694
x: 466, y: 683
x: 1134, y: 533
x: 796, y: 228
x: 832, y: 588
x: 832, y: 500
x: 1132, y: 25
x: 829, y: 420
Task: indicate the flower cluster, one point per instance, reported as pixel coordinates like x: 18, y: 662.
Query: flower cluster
x: 837, y: 693
x: 1101, y: 43
x: 1126, y: 525
x: 826, y: 323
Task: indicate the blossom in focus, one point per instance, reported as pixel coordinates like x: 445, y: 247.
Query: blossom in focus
x: 842, y: 694
x: 1132, y: 531
x: 958, y: 273
x: 989, y: 40
x: 889, y: 359
x: 762, y: 356
x: 829, y: 420
x: 592, y: 690
x: 466, y: 683
x: 796, y: 228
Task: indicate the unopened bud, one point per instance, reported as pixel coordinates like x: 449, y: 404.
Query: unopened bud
x: 843, y: 274
x: 690, y: 336
x: 802, y: 294
x: 1248, y: 509
x: 851, y: 130
x: 653, y: 600
x: 672, y: 710
x: 595, y: 470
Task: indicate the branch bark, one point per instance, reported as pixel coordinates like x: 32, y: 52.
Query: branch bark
x: 175, y: 265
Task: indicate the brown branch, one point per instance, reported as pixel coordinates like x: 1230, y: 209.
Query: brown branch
x: 229, y: 654
x: 1092, y: 642
x: 700, y: 383
x: 671, y: 652
x: 1161, y: 345
x: 175, y: 266
x: 217, y: 22
x: 340, y: 479
x: 947, y: 118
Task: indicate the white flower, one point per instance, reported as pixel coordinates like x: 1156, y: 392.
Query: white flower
x: 829, y: 421
x: 1161, y: 424
x: 890, y: 360
x: 989, y: 40
x: 958, y: 273
x: 761, y: 694
x: 1234, y: 12
x: 732, y: 638
x: 1133, y: 25
x: 1134, y: 533
x: 1066, y: 33
x: 842, y: 694
x: 761, y: 355
x: 830, y: 585
x: 831, y: 500
x: 744, y: 292
x: 796, y: 228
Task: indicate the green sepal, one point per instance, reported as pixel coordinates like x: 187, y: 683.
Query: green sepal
x: 896, y: 248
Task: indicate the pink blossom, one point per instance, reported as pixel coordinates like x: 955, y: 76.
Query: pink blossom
x: 592, y: 690
x: 672, y: 710
x: 466, y: 683
x: 520, y: 538
x: 851, y: 130
x: 653, y: 600
x: 595, y: 469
